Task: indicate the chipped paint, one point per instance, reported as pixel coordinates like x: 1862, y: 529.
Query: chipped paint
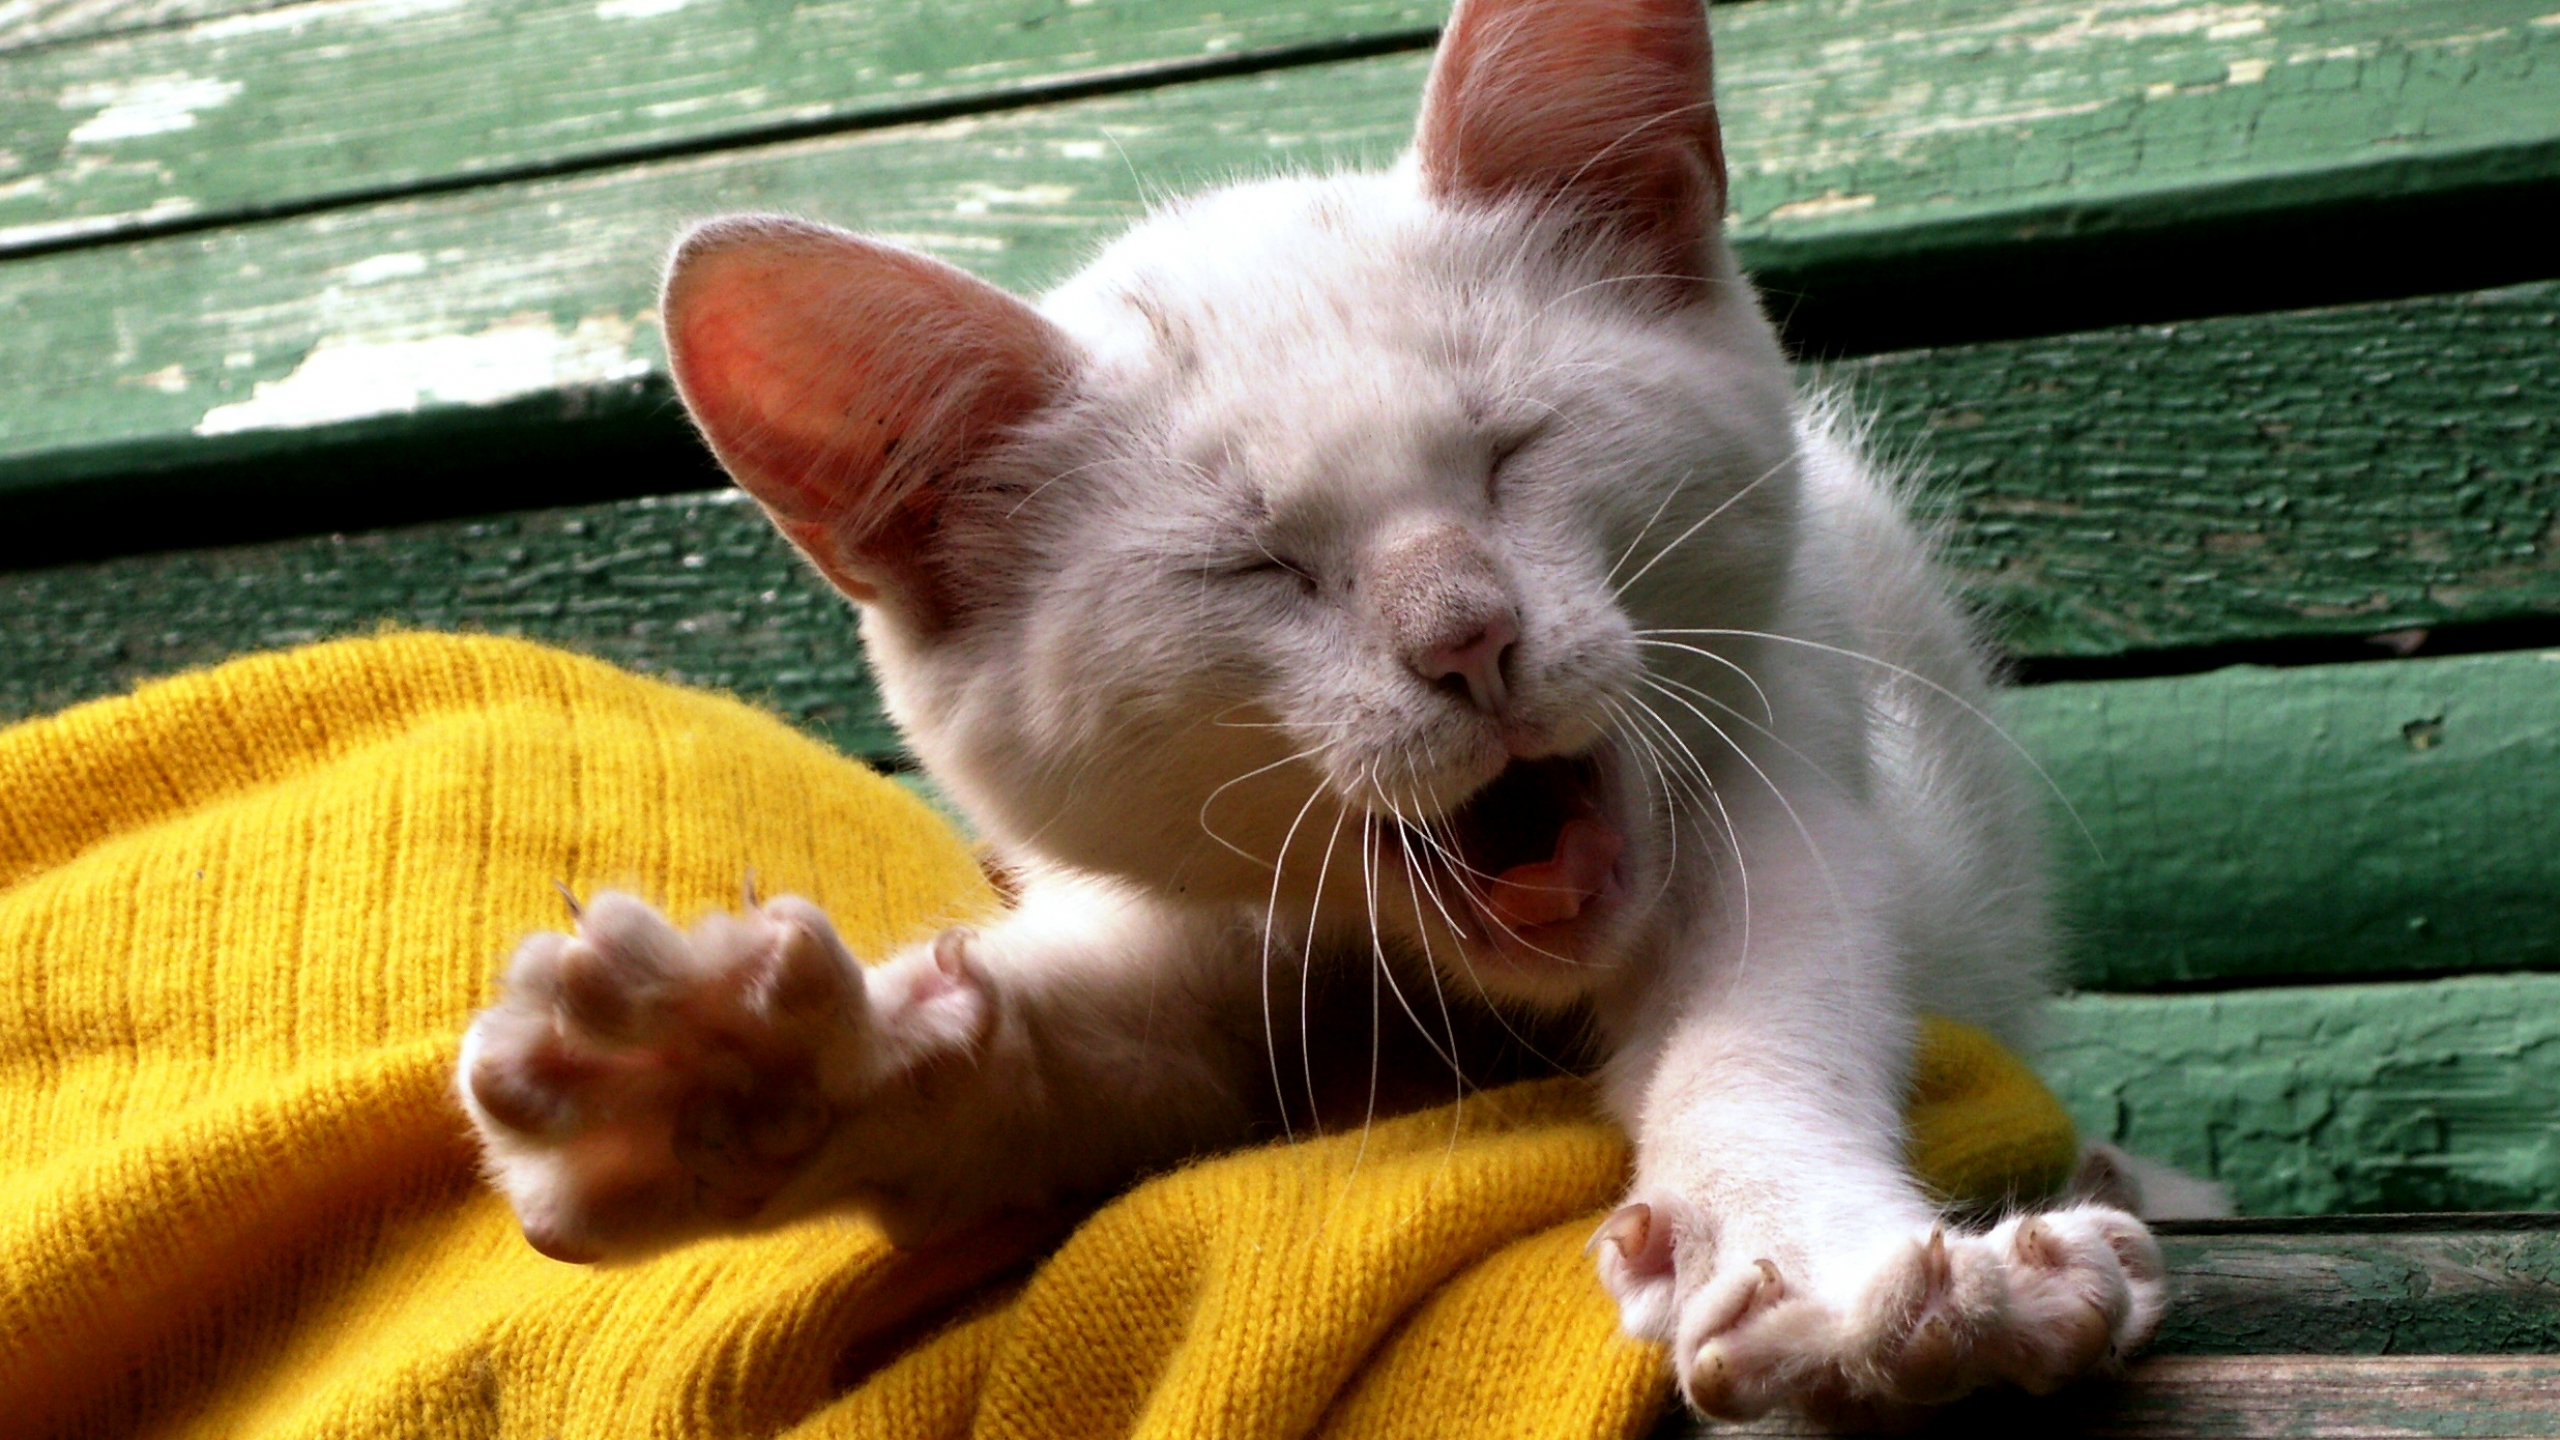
x: 168, y: 380
x: 45, y: 232
x: 2246, y: 72
x: 143, y: 105
x: 637, y: 9
x: 2214, y: 22
x: 296, y: 17
x: 1823, y: 207
x: 377, y: 268
x: 352, y: 377
x: 978, y: 199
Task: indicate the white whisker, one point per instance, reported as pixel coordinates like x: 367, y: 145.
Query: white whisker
x: 1915, y: 676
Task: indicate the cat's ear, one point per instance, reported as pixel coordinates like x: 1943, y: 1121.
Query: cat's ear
x: 851, y: 386
x: 1604, y: 107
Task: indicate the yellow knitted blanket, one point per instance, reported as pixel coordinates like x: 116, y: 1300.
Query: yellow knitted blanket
x: 247, y: 912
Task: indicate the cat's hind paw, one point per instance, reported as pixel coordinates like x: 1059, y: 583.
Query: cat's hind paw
x: 638, y: 1086
x: 2036, y: 1302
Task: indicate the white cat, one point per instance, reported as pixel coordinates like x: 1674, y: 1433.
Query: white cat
x: 1434, y: 571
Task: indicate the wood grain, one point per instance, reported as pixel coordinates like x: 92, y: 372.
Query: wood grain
x: 248, y: 341
x: 2339, y: 472
x: 694, y: 588
x: 314, y: 103
x: 1843, y: 114
x: 25, y: 23
x: 2452, y: 1290
x: 2258, y: 1397
x: 1887, y: 129
x: 2308, y: 1100
x: 2260, y: 823
x: 2243, y: 479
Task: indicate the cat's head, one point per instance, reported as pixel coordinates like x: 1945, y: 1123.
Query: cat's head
x: 1314, y: 525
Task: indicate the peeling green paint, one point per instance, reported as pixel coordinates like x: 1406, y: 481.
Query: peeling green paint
x: 2343, y: 472
x: 2308, y: 1100
x: 1863, y: 133
x: 2275, y: 823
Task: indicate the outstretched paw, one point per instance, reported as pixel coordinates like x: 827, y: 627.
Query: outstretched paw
x: 638, y: 1086
x: 2036, y: 1302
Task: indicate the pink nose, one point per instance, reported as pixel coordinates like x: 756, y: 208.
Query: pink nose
x: 1474, y: 663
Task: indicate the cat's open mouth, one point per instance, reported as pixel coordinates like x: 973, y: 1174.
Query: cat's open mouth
x: 1538, y: 847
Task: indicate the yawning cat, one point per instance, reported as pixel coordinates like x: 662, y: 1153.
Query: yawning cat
x: 1434, y: 571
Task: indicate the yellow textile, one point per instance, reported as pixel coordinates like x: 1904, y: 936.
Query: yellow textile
x: 245, y: 914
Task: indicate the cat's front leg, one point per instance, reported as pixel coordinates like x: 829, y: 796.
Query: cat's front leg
x: 1775, y: 1241
x: 638, y: 1086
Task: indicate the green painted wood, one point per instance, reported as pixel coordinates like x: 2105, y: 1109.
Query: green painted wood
x: 2450, y: 1291
x: 1844, y: 112
x: 2246, y: 478
x: 2026, y: 123
x: 313, y: 102
x: 2414, y: 1095
x: 694, y: 588
x: 2255, y: 823
x: 2339, y: 472
x: 1914, y: 126
x: 260, y: 339
x: 26, y: 23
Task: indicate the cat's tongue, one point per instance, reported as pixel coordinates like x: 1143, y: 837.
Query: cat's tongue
x: 1553, y: 890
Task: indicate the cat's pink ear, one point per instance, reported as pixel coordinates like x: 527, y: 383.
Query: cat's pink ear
x: 849, y: 386
x: 1606, y: 107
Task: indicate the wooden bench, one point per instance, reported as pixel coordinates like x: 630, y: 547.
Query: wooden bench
x: 2229, y: 333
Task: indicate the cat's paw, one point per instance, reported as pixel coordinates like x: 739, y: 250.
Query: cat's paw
x: 2036, y: 1302
x: 638, y: 1086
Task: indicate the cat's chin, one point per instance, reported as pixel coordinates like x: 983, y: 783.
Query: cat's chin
x: 1539, y: 857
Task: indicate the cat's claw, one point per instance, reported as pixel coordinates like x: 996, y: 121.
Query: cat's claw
x: 638, y: 1086
x: 2036, y: 1302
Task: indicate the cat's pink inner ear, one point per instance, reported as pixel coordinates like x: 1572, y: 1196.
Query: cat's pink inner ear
x: 1606, y: 106
x: 848, y: 385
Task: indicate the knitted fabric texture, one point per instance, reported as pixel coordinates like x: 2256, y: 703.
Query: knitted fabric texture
x: 248, y: 912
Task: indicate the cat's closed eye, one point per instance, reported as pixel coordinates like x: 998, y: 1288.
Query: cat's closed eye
x: 1264, y: 564
x: 1504, y: 447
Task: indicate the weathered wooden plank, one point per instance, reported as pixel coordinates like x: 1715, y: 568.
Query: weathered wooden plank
x: 2330, y: 819
x: 2340, y: 472
x: 25, y: 23
x: 258, y: 338
x: 312, y: 103
x: 626, y: 582
x: 2229, y: 1397
x: 2415, y: 1095
x: 2246, y: 478
x: 2020, y: 124
x: 2457, y: 1289
x: 1844, y: 112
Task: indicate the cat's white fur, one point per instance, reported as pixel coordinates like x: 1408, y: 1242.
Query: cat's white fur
x: 1305, y: 426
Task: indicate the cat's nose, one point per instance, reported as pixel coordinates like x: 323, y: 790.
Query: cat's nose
x: 1472, y: 662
